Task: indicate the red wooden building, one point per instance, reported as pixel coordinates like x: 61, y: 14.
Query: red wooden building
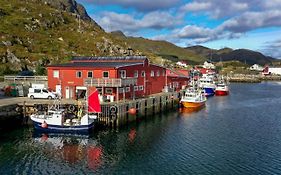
x: 116, y: 78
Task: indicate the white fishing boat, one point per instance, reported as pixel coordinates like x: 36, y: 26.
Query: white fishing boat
x: 194, y: 97
x: 222, y: 88
x: 208, y: 84
x: 58, y: 120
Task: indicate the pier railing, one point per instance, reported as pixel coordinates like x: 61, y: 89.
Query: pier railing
x: 110, y: 82
x: 15, y: 79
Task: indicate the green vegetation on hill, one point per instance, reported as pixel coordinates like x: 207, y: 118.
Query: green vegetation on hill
x: 159, y: 50
x: 32, y: 31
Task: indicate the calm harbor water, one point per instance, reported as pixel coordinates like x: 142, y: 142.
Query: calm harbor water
x: 236, y: 134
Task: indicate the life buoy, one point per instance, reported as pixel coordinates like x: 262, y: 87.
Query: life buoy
x: 71, y: 108
x: 44, y: 125
x: 113, y: 109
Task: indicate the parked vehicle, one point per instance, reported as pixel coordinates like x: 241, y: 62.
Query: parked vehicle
x: 40, y: 93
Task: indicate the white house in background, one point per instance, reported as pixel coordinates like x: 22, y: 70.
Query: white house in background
x: 256, y: 67
x: 271, y: 70
x: 181, y: 63
x: 208, y: 65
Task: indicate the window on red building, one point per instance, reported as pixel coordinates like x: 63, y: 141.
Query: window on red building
x: 105, y: 74
x: 152, y: 73
x: 78, y: 74
x: 127, y: 89
x: 143, y: 73
x: 141, y: 88
x: 158, y: 73
x: 136, y: 88
x: 122, y: 73
x: 164, y: 72
x: 121, y: 90
x: 56, y: 74
x: 136, y: 74
x: 90, y: 74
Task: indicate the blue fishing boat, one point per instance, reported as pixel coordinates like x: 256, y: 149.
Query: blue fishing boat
x: 58, y: 120
x: 207, y: 83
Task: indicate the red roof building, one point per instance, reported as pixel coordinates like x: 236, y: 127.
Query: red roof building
x: 116, y: 78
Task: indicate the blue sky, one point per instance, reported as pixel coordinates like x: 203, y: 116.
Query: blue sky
x: 249, y: 24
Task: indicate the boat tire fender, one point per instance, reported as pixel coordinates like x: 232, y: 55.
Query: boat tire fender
x: 113, y: 109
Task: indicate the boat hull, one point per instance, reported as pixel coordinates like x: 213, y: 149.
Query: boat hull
x: 221, y: 93
x: 82, y: 129
x: 209, y: 92
x: 193, y: 105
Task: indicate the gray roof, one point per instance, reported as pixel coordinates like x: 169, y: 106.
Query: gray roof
x: 96, y: 64
x: 110, y: 58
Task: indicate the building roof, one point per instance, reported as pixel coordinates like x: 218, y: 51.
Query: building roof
x: 96, y: 64
x: 110, y: 58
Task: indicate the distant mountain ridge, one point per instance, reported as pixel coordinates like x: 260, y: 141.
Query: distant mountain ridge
x: 227, y: 54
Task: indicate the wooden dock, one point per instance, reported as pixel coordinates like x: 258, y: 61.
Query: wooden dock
x: 114, y: 114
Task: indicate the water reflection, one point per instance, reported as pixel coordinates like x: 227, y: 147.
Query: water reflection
x: 190, y: 110
x: 72, y: 149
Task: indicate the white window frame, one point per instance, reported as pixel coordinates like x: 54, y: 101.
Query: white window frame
x: 105, y: 72
x: 128, y: 89
x: 56, y: 73
x: 158, y: 73
x: 122, y: 73
x: 152, y: 73
x: 141, y: 88
x: 164, y: 73
x: 77, y: 74
x: 92, y: 74
x: 136, y: 73
x: 136, y: 88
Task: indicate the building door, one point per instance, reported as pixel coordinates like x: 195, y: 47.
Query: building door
x: 58, y: 90
x: 148, y: 88
x: 67, y: 92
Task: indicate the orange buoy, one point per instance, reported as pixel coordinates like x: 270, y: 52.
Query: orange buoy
x: 44, y: 125
x: 132, y: 111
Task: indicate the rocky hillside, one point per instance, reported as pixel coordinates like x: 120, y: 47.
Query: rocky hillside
x: 226, y: 54
x: 34, y: 33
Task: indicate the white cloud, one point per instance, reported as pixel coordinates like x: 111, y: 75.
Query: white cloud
x: 252, y: 20
x: 273, y: 48
x: 192, y: 31
x: 216, y: 8
x: 197, y: 6
x: 111, y: 21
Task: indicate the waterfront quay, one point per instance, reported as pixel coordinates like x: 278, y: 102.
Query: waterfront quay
x: 247, y: 78
x: 114, y: 114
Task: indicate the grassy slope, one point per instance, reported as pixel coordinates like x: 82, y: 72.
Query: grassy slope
x: 164, y: 49
x: 35, y: 31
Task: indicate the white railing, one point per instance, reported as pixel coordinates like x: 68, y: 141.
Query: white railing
x: 25, y: 78
x: 110, y: 82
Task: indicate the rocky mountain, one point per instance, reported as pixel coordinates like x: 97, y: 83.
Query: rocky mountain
x: 34, y: 33
x: 226, y: 54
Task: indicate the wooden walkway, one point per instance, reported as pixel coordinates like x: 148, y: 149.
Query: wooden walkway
x: 113, y: 114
